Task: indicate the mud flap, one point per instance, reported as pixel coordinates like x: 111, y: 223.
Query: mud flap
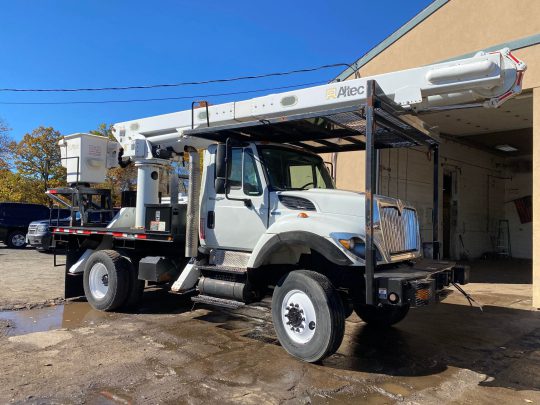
x: 73, y: 283
x: 73, y: 286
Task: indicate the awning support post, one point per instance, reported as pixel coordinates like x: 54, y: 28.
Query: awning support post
x: 435, y: 219
x: 370, y: 188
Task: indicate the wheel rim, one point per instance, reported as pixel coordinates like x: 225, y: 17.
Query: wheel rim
x: 298, y: 316
x: 18, y: 240
x: 98, y: 281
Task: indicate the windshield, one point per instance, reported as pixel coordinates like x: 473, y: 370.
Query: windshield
x: 288, y: 169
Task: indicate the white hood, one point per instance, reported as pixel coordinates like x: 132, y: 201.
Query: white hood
x: 332, y: 201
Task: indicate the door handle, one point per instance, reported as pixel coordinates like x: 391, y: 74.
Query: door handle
x: 210, y: 220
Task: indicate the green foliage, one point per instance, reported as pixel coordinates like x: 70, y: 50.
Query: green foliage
x: 37, y: 158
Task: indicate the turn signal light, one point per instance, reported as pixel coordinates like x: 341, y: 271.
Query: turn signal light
x: 303, y: 215
x: 347, y: 243
x: 423, y: 294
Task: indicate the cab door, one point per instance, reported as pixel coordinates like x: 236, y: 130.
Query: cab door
x: 230, y: 223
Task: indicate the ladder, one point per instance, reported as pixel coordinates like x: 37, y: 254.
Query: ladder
x: 504, y: 248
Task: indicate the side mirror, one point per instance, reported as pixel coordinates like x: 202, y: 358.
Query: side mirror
x: 219, y: 185
x: 221, y: 168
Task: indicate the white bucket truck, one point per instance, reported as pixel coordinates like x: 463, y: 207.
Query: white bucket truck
x: 263, y: 215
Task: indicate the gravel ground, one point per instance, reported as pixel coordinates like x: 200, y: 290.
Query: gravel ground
x: 29, y: 278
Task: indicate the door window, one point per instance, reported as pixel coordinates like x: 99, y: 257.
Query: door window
x: 235, y: 174
x: 243, y: 172
x: 252, y: 182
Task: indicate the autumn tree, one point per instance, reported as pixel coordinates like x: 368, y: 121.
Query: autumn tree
x: 5, y: 146
x: 37, y: 158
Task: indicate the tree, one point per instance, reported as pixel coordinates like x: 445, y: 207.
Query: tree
x: 37, y: 157
x: 17, y: 188
x: 5, y: 145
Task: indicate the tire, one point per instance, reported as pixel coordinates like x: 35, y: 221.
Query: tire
x: 16, y: 240
x: 318, y: 314
x: 136, y: 286
x: 382, y: 317
x: 106, y: 280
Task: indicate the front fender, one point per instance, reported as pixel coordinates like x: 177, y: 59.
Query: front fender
x: 313, y: 232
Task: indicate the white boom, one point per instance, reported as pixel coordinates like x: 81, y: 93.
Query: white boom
x: 487, y: 79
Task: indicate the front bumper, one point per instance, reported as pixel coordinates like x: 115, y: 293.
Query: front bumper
x: 422, y: 283
x: 39, y: 241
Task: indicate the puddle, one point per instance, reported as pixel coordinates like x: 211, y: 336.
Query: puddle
x: 109, y: 397
x: 69, y: 316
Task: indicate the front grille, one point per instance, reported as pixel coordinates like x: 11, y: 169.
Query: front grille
x: 32, y: 229
x: 400, y: 229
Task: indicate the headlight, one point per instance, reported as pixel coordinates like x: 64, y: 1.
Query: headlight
x: 42, y: 228
x: 354, y: 245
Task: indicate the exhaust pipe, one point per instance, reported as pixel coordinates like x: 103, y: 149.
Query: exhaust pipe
x: 192, y: 217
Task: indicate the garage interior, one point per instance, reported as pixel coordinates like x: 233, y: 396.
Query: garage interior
x: 486, y: 155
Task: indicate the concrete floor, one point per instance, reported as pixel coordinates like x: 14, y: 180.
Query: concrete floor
x: 169, y: 353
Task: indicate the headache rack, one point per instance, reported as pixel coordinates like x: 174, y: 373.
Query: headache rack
x: 376, y: 123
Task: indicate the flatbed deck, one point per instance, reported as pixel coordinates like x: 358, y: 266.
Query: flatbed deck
x: 117, y: 233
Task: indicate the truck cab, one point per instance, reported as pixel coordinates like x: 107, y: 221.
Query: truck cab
x: 276, y: 191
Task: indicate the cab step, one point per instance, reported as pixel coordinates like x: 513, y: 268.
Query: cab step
x: 222, y: 269
x: 218, y: 302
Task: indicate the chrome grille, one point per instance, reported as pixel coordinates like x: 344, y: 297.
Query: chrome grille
x: 32, y: 229
x: 400, y: 231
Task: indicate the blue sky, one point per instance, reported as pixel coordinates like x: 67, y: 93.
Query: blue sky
x: 67, y: 44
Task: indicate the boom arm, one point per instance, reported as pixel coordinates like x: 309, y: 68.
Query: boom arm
x: 487, y: 79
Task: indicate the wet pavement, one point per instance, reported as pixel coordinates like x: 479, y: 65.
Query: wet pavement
x: 169, y: 353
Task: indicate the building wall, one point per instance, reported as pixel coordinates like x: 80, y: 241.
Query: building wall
x: 461, y: 27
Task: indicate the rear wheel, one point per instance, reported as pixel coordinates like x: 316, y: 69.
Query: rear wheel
x: 136, y: 286
x: 383, y: 317
x: 308, y: 315
x: 106, y: 280
x: 16, y: 240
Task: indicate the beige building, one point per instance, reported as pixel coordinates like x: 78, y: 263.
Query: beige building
x: 490, y: 166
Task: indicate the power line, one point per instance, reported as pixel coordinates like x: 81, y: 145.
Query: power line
x: 154, y: 86
x: 159, y: 99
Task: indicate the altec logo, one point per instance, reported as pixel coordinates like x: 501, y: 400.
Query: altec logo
x: 344, y: 91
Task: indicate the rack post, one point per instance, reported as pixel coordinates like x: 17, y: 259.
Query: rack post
x: 370, y: 188
x: 435, y: 219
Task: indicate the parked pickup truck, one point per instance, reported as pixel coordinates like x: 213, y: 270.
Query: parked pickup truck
x: 39, y: 233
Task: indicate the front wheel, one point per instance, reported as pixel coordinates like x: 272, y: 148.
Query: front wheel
x: 383, y: 317
x: 308, y: 315
x: 16, y: 240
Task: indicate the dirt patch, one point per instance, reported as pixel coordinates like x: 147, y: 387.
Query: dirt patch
x: 29, y: 279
